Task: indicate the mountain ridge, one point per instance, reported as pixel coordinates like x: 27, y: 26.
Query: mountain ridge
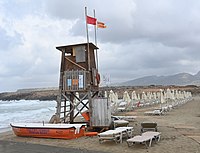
x: 176, y: 79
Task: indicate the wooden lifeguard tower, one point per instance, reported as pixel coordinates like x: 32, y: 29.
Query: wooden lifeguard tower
x: 78, y: 74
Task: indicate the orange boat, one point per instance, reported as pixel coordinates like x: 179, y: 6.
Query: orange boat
x: 39, y: 130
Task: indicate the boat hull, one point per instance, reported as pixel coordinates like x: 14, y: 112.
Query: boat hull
x: 49, y: 132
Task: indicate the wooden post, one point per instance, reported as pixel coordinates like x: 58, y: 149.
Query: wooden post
x: 59, y: 98
x: 71, y: 108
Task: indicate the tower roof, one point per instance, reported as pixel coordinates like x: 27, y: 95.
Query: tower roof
x: 68, y: 48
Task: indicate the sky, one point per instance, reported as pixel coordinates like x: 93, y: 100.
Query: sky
x: 142, y: 38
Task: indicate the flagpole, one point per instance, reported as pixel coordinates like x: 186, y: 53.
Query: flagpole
x: 95, y: 37
x: 95, y: 30
x: 87, y: 39
x: 89, y: 69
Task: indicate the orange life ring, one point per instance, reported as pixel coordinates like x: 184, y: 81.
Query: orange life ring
x: 98, y: 78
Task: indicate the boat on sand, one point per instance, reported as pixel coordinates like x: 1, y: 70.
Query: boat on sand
x: 42, y: 130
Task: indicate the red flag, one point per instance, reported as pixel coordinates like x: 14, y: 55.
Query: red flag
x: 101, y: 24
x: 91, y: 20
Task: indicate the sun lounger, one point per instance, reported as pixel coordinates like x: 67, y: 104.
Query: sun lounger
x: 121, y: 109
x: 127, y: 131
x: 170, y: 107
x: 127, y: 118
x: 165, y: 108
x: 122, y: 106
x: 148, y: 113
x: 120, y: 123
x: 155, y: 135
x: 154, y: 112
x: 140, y: 139
x: 148, y: 126
x: 157, y: 112
x: 110, y: 135
x: 115, y: 135
x: 144, y: 138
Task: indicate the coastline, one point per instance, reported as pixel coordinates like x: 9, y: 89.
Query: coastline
x: 49, y: 94
x: 180, y: 132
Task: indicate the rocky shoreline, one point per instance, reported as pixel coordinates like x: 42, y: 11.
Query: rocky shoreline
x: 52, y: 93
x: 31, y: 95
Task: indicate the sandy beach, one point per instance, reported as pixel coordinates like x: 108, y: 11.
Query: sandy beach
x: 180, y: 132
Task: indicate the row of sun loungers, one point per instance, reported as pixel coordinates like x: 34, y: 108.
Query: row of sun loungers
x: 164, y: 109
x: 131, y: 104
x: 149, y: 131
x: 122, y: 131
x: 124, y: 106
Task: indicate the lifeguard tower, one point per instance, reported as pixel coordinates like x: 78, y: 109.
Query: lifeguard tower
x: 78, y: 74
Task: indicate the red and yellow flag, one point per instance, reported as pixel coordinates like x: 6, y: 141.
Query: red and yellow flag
x: 91, y: 20
x: 101, y: 24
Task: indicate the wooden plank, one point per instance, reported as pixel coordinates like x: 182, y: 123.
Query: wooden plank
x: 75, y: 63
x: 100, y: 113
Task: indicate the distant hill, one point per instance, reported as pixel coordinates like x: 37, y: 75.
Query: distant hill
x: 31, y: 94
x: 177, y: 79
x: 51, y: 93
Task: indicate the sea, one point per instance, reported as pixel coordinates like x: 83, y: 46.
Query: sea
x: 25, y: 111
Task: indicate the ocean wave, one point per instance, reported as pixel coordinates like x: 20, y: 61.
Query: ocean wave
x: 25, y: 111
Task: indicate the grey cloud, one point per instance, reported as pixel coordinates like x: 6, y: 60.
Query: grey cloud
x: 167, y: 22
x: 142, y: 38
x: 21, y: 8
x: 136, y: 60
x: 7, y: 42
x: 65, y: 9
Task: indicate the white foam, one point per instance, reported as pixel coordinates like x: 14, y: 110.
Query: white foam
x: 25, y: 111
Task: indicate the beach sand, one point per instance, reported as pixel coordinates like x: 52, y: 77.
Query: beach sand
x: 180, y: 132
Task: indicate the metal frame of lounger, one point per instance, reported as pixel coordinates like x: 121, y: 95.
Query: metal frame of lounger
x: 127, y: 118
x: 155, y: 135
x: 140, y: 139
x: 154, y: 112
x: 157, y: 112
x: 144, y: 138
x: 120, y: 123
x: 148, y: 113
x: 127, y: 131
x: 115, y: 135
x: 149, y: 126
x: 121, y: 109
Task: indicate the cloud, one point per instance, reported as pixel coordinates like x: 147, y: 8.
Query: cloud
x: 28, y: 54
x: 142, y: 38
x: 65, y: 9
x: 9, y: 41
